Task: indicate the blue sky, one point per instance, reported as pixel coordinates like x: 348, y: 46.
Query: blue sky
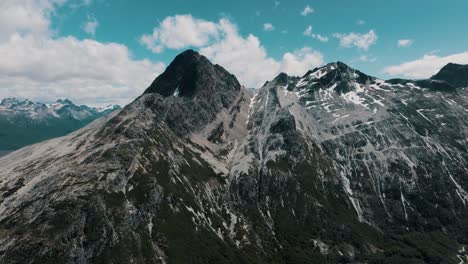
x: 102, y: 51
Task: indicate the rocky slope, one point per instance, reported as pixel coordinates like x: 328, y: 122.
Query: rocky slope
x: 332, y: 167
x: 24, y: 122
x: 455, y: 74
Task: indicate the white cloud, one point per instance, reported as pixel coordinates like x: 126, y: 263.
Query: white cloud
x: 361, y: 41
x: 365, y: 58
x: 25, y: 17
x: 91, y: 25
x: 82, y: 70
x: 308, y: 32
x: 360, y: 22
x: 179, y: 31
x: 297, y: 62
x: 248, y: 60
x: 38, y: 65
x: 307, y: 10
x: 277, y: 3
x: 320, y: 37
x: 426, y: 66
x: 405, y: 42
x: 245, y: 56
x: 268, y: 27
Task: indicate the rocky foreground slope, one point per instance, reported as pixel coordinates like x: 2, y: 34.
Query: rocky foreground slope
x: 332, y: 167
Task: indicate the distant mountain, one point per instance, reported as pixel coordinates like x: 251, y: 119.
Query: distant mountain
x: 455, y: 74
x: 335, y: 166
x: 23, y: 122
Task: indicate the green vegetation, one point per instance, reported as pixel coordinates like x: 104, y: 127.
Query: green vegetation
x: 416, y: 247
x: 22, y: 132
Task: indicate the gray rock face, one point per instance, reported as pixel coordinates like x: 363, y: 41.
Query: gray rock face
x: 332, y: 167
x: 455, y: 74
x: 193, y: 91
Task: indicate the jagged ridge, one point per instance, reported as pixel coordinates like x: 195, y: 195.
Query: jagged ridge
x: 335, y: 166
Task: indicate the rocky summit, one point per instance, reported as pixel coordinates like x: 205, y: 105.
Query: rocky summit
x: 455, y: 74
x: 332, y: 167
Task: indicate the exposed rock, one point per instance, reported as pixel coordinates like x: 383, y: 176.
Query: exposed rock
x: 455, y: 74
x: 332, y: 167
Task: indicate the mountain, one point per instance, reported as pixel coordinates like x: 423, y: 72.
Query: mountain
x: 455, y: 74
x: 23, y: 122
x: 332, y: 167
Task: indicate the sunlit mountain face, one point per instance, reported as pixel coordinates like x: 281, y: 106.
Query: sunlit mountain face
x: 335, y: 166
x: 251, y: 132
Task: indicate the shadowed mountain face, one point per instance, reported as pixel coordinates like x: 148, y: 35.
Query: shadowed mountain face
x: 194, y: 91
x: 332, y: 167
x: 190, y: 75
x: 455, y: 74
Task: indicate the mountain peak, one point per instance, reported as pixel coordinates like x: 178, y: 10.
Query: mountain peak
x: 65, y: 101
x: 454, y: 74
x: 335, y: 67
x: 190, y: 74
x: 329, y: 167
x: 337, y: 74
x: 194, y: 91
x: 15, y: 102
x: 189, y: 53
x: 4, y: 101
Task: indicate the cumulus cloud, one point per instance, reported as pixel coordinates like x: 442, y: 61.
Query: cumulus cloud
x: 405, y: 42
x: 308, y: 32
x: 366, y: 58
x: 247, y: 58
x: 38, y: 65
x: 176, y: 32
x: 25, y: 17
x: 320, y: 37
x: 295, y: 63
x: 91, y: 25
x: 426, y: 66
x: 83, y: 70
x: 244, y: 57
x: 361, y: 41
x: 268, y: 27
x: 307, y: 10
x: 360, y: 22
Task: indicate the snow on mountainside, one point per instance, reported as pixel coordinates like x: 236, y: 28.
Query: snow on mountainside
x: 381, y: 130
x: 332, y: 167
x: 25, y: 122
x: 61, y: 108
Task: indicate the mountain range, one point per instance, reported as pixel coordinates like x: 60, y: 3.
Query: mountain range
x: 23, y: 122
x: 335, y: 166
